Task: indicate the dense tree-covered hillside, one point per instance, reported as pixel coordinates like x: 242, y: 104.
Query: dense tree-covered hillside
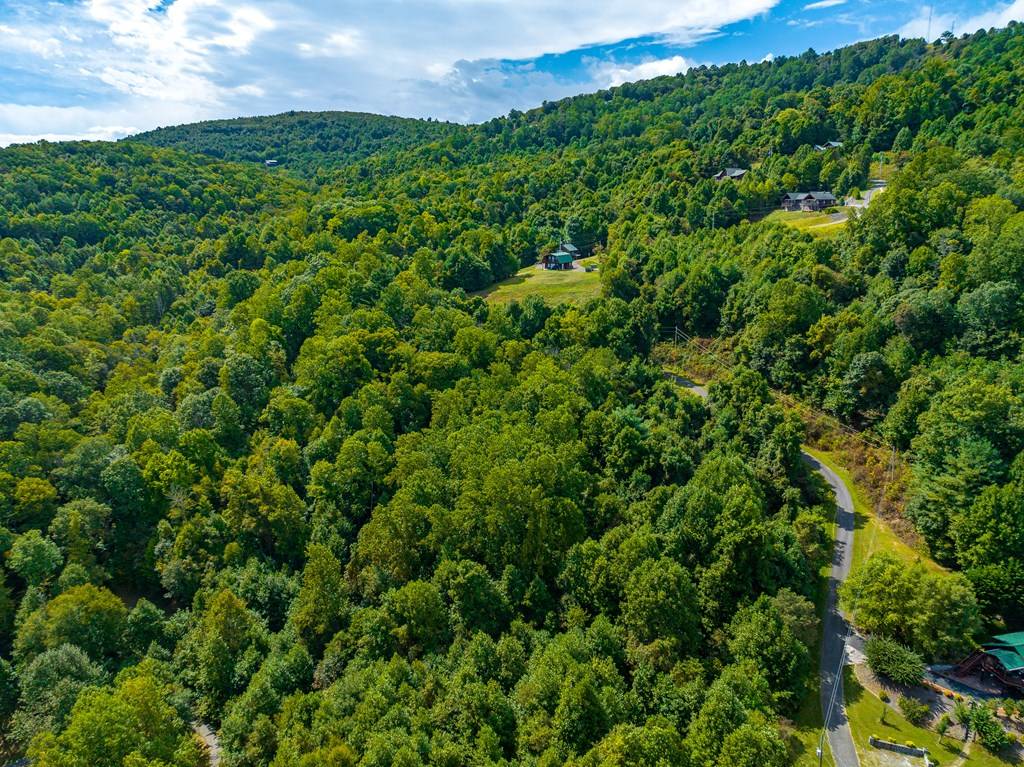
x: 266, y: 463
x: 302, y: 143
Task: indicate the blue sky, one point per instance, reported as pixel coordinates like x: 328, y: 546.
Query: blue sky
x: 105, y: 68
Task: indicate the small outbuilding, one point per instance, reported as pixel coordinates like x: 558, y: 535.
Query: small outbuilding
x: 808, y: 201
x: 828, y: 145
x: 561, y: 257
x: 731, y: 173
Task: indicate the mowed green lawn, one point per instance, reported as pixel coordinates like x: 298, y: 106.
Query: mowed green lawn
x: 864, y: 711
x: 818, y: 224
x: 570, y: 286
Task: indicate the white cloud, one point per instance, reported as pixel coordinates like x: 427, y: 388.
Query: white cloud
x: 927, y: 24
x: 171, y: 54
x: 609, y: 74
x: 823, y: 4
x: 999, y: 16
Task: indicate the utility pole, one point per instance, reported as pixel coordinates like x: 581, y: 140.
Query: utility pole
x: 929, y: 37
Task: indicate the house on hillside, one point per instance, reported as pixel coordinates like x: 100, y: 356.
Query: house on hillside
x: 1000, y: 658
x: 561, y: 257
x: 732, y: 173
x: 828, y: 145
x: 808, y: 201
x: 270, y: 163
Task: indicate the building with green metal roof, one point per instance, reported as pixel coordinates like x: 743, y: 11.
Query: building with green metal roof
x: 562, y: 257
x: 1001, y: 658
x: 1009, y: 649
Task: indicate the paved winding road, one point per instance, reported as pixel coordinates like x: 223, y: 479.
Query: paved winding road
x: 835, y: 630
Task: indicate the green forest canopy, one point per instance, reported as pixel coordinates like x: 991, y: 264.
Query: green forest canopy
x: 265, y: 463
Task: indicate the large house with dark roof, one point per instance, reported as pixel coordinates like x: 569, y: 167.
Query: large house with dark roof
x: 1001, y: 658
x: 808, y: 201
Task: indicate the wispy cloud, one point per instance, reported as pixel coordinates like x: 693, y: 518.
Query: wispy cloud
x: 823, y: 4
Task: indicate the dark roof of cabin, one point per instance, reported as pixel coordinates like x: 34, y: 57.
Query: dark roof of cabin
x: 812, y: 195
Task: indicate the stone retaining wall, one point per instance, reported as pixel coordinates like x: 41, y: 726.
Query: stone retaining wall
x: 908, y: 750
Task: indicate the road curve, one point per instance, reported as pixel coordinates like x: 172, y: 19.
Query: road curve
x: 835, y: 629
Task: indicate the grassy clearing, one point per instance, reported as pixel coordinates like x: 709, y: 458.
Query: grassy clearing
x: 864, y: 711
x: 571, y: 286
x: 818, y: 224
x: 825, y: 230
x: 871, y: 533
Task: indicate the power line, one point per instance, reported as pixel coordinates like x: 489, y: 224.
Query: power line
x: 832, y: 697
x: 789, y: 399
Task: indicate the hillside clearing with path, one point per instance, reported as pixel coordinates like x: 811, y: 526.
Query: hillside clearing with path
x: 570, y: 286
x: 818, y: 224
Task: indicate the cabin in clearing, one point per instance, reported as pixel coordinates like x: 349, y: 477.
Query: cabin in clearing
x: 561, y: 257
